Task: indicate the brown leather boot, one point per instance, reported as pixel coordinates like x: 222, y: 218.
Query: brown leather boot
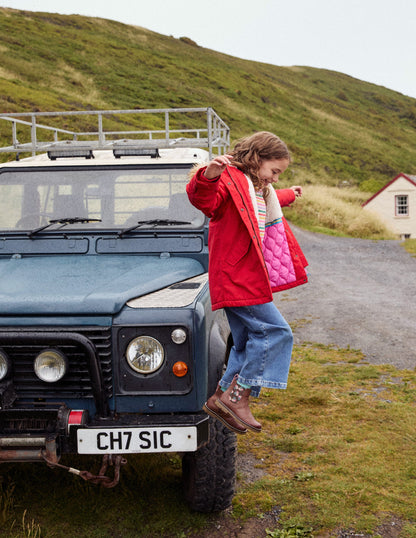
x: 234, y: 402
x: 212, y: 409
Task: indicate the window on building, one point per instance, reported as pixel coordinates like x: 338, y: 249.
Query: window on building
x: 402, y: 205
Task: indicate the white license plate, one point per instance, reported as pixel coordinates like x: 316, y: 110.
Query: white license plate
x: 136, y: 440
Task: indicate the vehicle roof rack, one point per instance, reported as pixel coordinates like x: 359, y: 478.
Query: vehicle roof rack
x: 181, y: 127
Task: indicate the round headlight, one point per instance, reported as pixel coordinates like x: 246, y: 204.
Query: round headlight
x: 178, y: 336
x: 50, y: 365
x: 145, y: 354
x: 4, y: 364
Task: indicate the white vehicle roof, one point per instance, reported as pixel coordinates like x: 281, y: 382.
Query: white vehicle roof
x: 106, y: 157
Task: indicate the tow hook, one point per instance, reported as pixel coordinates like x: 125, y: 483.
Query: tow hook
x: 100, y: 479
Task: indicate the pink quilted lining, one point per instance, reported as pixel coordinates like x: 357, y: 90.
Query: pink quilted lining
x: 277, y: 256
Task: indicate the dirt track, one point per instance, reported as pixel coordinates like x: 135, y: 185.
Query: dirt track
x: 360, y: 294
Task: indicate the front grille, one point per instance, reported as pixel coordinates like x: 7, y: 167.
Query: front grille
x: 76, y: 383
x: 32, y: 422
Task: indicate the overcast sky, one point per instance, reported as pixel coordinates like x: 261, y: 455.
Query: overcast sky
x: 372, y: 40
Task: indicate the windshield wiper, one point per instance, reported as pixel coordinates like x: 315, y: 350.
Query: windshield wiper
x: 64, y: 222
x: 153, y: 222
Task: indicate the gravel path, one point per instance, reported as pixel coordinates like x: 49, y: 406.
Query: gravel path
x: 361, y: 294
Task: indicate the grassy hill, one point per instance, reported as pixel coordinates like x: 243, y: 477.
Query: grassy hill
x: 337, y: 127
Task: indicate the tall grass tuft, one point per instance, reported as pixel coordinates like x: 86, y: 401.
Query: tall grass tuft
x: 30, y: 528
x: 6, y: 503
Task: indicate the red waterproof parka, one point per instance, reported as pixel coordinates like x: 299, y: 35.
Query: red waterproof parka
x: 238, y: 274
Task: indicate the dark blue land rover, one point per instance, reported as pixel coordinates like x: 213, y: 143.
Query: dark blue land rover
x: 108, y: 344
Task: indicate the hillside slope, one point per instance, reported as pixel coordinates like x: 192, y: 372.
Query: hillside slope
x: 337, y: 127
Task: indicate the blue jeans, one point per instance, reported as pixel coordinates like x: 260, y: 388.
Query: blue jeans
x: 262, y: 347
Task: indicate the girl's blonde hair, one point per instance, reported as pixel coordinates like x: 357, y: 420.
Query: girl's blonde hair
x: 249, y: 151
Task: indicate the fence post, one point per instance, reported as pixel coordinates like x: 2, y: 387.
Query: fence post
x: 209, y: 129
x: 167, y: 127
x: 14, y: 134
x: 33, y: 135
x: 101, y: 136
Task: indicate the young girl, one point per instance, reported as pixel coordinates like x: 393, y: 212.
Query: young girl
x: 252, y: 253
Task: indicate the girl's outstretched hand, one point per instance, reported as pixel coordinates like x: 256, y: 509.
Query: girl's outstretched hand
x: 297, y: 190
x: 217, y: 166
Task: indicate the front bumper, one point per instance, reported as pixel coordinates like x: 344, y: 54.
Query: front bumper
x: 32, y: 434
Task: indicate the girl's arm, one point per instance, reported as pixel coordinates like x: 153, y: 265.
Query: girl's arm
x: 205, y: 190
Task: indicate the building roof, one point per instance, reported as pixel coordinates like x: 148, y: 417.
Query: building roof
x: 408, y: 177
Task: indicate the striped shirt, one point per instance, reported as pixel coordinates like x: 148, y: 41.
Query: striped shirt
x: 261, y: 207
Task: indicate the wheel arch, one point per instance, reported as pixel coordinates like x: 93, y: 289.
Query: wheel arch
x: 220, y: 342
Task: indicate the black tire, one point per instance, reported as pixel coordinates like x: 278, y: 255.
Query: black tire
x: 209, y: 473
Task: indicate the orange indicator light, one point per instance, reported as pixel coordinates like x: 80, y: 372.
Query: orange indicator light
x: 180, y: 369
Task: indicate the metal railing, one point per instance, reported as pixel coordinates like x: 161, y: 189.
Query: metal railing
x: 211, y: 131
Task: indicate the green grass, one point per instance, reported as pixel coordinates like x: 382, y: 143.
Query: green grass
x: 337, y: 127
x: 338, y: 447
x: 337, y: 452
x: 410, y: 246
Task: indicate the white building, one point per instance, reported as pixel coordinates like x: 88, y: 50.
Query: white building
x: 395, y: 204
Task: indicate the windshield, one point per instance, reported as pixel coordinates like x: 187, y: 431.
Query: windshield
x: 112, y: 197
